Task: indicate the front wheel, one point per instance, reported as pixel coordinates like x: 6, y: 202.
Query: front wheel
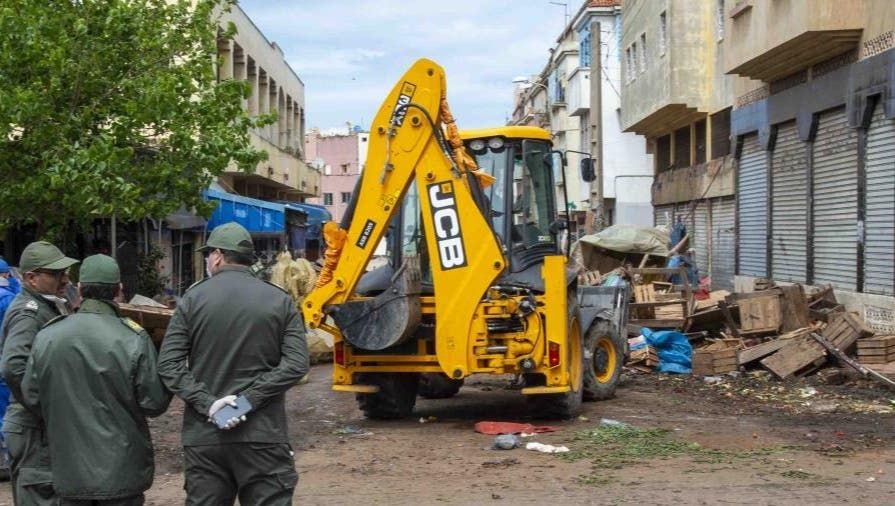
x: 603, y: 360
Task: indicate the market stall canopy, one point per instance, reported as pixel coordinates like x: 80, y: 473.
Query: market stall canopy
x: 257, y: 216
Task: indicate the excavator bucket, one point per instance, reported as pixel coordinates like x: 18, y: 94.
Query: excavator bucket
x: 387, y: 319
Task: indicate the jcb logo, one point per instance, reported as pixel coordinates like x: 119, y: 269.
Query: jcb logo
x: 451, y: 252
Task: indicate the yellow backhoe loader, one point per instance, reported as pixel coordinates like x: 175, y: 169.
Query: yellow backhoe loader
x: 477, y: 281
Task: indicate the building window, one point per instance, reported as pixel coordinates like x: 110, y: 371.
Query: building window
x: 682, y: 147
x: 663, y: 33
x: 700, y: 142
x: 346, y: 196
x: 327, y: 199
x: 345, y: 167
x: 720, y: 133
x: 629, y: 70
x: 719, y: 18
x: 584, y: 47
x: 663, y: 153
x: 642, y: 52
x: 635, y: 60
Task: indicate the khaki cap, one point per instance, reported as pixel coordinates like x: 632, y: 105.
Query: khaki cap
x: 230, y: 236
x: 100, y: 269
x: 43, y: 255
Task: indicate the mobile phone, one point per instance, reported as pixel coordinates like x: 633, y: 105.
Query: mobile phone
x: 243, y: 406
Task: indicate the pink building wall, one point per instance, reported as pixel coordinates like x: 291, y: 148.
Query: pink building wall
x: 339, y: 154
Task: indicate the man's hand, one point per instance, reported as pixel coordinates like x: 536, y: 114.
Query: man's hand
x: 227, y: 400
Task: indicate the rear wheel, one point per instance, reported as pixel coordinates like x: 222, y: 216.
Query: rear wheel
x: 395, y: 398
x: 438, y: 386
x: 568, y: 404
x: 603, y: 360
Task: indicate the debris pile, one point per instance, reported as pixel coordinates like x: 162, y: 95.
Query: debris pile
x: 780, y: 329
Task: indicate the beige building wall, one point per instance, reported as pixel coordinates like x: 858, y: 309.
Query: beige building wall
x: 678, y: 75
x: 276, y: 88
x: 771, y: 40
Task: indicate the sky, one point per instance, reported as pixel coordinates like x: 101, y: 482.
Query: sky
x: 349, y: 53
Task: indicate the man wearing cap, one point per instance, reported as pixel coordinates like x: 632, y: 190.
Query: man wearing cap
x: 93, y: 377
x: 44, y: 269
x: 235, y: 335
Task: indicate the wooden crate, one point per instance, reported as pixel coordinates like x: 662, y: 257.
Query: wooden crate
x: 760, y: 314
x: 717, y: 358
x: 876, y: 350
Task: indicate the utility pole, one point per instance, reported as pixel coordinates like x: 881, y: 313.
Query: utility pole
x: 597, y: 219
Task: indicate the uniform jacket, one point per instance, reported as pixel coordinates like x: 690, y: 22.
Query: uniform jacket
x: 93, y: 378
x: 234, y: 334
x: 28, y: 312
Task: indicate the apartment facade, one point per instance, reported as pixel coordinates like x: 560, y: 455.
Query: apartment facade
x: 815, y: 143
x: 675, y: 93
x: 559, y: 99
x: 249, y: 56
x: 339, y: 154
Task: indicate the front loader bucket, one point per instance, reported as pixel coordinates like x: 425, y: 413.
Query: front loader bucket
x: 386, y: 319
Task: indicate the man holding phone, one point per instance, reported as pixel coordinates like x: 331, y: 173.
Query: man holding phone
x: 233, y: 348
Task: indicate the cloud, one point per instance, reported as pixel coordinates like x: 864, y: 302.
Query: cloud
x: 350, y: 53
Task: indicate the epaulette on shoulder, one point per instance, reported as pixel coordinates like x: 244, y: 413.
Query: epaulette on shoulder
x: 197, y: 283
x: 278, y: 287
x: 132, y: 325
x: 55, y: 320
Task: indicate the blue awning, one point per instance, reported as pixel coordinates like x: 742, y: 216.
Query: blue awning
x: 316, y: 214
x: 257, y: 216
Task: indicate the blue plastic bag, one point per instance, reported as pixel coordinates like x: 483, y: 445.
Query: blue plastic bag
x: 673, y: 348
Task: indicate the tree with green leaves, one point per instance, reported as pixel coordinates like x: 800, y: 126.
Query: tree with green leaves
x: 113, y: 108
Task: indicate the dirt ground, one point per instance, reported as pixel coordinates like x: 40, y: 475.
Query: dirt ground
x: 746, y: 440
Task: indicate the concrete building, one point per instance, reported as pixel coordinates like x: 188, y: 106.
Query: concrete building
x: 559, y: 99
x: 675, y: 94
x: 815, y: 142
x: 256, y: 199
x: 275, y: 88
x: 337, y: 153
x: 627, y: 170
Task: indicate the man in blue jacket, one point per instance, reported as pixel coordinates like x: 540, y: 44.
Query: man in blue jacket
x: 9, y: 288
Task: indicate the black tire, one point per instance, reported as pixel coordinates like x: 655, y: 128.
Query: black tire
x: 438, y: 386
x: 395, y: 398
x: 603, y: 361
x: 559, y: 406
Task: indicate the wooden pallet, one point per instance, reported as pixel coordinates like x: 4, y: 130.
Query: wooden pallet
x: 804, y: 352
x: 876, y: 350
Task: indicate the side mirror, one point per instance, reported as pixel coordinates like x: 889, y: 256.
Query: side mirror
x: 588, y: 171
x: 558, y: 225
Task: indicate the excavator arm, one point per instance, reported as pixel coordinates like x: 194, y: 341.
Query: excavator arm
x: 408, y: 146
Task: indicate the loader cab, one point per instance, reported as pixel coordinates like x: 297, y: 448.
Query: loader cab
x: 523, y: 207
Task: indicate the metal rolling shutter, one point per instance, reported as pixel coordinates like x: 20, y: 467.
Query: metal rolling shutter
x: 879, y: 246
x: 664, y: 215
x: 752, y: 195
x: 835, y: 201
x: 723, y: 225
x: 701, y: 234
x: 789, y: 207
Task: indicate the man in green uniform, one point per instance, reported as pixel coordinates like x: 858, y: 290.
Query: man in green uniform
x: 233, y: 334
x: 93, y: 377
x: 44, y: 269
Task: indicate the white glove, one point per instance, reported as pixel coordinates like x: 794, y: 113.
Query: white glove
x: 220, y: 403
